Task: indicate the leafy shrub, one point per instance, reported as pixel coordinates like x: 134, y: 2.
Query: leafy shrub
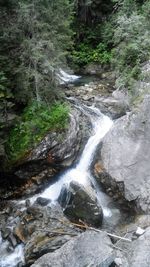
x: 35, y: 122
x: 131, y: 41
x: 85, y: 54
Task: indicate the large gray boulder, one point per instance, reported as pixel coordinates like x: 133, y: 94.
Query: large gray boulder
x: 136, y: 253
x: 89, y: 249
x: 80, y: 203
x: 125, y: 156
x: 139, y: 253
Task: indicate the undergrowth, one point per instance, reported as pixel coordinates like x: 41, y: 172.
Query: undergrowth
x: 85, y: 54
x: 35, y: 122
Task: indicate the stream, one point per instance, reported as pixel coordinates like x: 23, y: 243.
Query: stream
x: 81, y: 173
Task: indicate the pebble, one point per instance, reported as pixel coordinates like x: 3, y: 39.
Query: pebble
x: 139, y: 231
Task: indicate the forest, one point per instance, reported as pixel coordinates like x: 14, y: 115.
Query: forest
x: 74, y: 133
x: 39, y: 37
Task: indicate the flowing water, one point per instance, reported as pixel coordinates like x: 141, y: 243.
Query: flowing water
x: 101, y: 124
x: 65, y: 78
x: 9, y: 258
x: 81, y: 172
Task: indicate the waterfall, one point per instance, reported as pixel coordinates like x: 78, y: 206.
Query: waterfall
x: 81, y: 172
x: 64, y: 77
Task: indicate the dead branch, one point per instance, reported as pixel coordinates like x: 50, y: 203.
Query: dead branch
x: 85, y: 226
x: 57, y: 232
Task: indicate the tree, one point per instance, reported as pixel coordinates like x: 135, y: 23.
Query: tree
x: 34, y: 42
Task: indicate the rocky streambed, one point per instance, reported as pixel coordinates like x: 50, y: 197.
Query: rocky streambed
x: 93, y: 176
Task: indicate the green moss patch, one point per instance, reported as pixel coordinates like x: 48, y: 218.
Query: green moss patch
x: 36, y: 121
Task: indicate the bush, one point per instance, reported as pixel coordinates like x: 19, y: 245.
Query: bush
x: 35, y: 122
x: 85, y: 54
x: 131, y: 42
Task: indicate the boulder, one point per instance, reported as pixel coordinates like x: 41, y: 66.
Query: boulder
x: 135, y: 253
x: 43, y: 201
x: 124, y: 157
x: 56, y: 149
x: 93, y: 69
x: 139, y: 251
x: 80, y: 203
x: 42, y: 229
x: 88, y: 249
x: 54, y: 153
x: 100, y: 93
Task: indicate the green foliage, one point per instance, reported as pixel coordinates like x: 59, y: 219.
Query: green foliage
x: 35, y: 122
x: 86, y: 54
x: 87, y: 25
x: 33, y: 45
x: 131, y: 42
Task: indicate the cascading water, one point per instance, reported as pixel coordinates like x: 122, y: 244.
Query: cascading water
x: 9, y: 259
x: 80, y: 173
x: 64, y: 77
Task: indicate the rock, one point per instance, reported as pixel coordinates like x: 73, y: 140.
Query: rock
x: 118, y: 261
x: 100, y: 92
x: 55, y: 152
x: 80, y: 204
x: 88, y: 249
x: 93, y: 69
x: 21, y: 233
x: 5, y: 232
x: 125, y: 157
x: 12, y: 240
x: 143, y: 221
x: 43, y: 201
x: 139, y: 231
x: 122, y: 97
x: 28, y: 203
x: 139, y: 251
x: 112, y: 107
x: 43, y: 229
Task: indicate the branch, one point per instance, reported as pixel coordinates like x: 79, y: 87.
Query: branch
x: 57, y: 232
x: 85, y: 226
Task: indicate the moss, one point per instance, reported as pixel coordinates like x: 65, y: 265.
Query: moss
x: 35, y: 122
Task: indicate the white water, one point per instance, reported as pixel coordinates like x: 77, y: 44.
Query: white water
x: 81, y: 173
x: 9, y: 259
x: 64, y: 77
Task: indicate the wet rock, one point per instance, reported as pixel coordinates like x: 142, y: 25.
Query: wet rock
x: 43, y: 229
x: 28, y: 203
x: 21, y: 233
x: 43, y: 201
x: 125, y: 157
x: 88, y: 249
x: 5, y: 232
x: 12, y: 240
x: 81, y: 204
x: 101, y: 93
x: 42, y: 243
